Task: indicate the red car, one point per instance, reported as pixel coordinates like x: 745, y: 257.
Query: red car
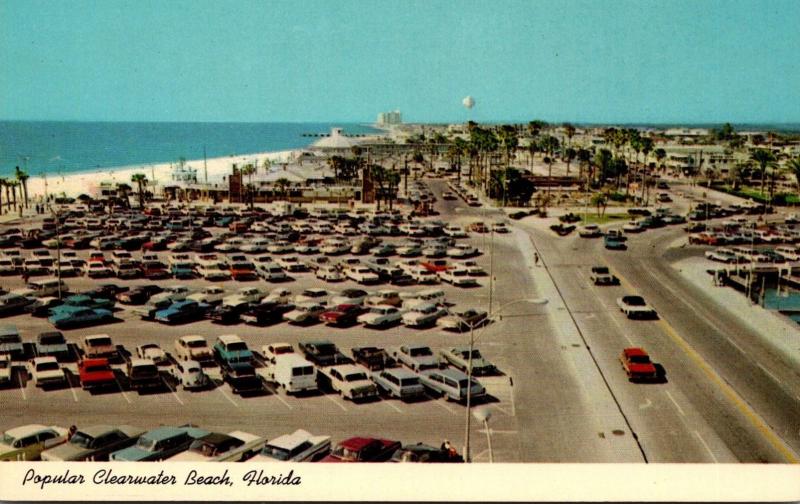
x: 436, y: 265
x: 360, y: 449
x: 243, y: 271
x: 155, y: 270
x: 636, y: 363
x: 95, y: 373
x: 342, y: 315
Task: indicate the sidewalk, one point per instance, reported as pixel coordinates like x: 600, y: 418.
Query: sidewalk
x: 777, y: 330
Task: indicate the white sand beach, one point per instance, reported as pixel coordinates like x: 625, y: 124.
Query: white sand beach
x: 75, y: 183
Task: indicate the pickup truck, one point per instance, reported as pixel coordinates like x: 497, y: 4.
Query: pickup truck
x: 323, y: 353
x: 231, y: 348
x: 415, y: 357
x: 241, y: 376
x: 361, y: 449
x: 350, y: 381
x: 637, y: 365
x: 143, y: 375
x: 99, y: 345
x: 372, y: 358
x: 95, y: 373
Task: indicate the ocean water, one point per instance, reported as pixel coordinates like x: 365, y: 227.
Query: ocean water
x: 64, y: 147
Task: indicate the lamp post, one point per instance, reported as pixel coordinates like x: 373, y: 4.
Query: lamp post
x: 472, y: 327
x: 58, y: 249
x: 483, y: 415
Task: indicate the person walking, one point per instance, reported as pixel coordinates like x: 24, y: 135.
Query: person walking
x: 536, y: 258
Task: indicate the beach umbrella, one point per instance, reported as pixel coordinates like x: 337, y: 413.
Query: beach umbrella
x: 468, y: 102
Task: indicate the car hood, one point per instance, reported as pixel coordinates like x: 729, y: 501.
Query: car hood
x: 132, y: 453
x: 642, y: 368
x: 54, y: 373
x: 66, y: 451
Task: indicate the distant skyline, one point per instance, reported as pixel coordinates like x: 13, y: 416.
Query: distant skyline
x: 681, y: 61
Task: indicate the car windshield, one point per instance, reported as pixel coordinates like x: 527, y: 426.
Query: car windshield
x: 8, y: 439
x: 146, y: 444
x: 197, y: 344
x: 96, y: 369
x: 476, y: 354
x: 275, y: 452
x: 345, y: 453
x: 144, y: 370
x: 640, y: 359
x: 634, y: 300
x: 407, y: 382
x: 99, y: 341
x: 356, y: 377
x: 81, y: 439
x: 422, y: 351
x: 47, y: 366
x: 326, y: 349
x: 237, y: 346
x: 9, y: 338
x: 601, y: 271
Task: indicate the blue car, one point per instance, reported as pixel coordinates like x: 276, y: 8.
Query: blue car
x: 159, y: 444
x: 85, y: 301
x: 182, y: 311
x: 613, y: 243
x: 182, y: 271
x: 76, y: 316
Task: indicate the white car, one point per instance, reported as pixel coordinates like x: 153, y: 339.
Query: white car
x: 721, y: 255
x: 192, y: 348
x: 271, y: 351
x: 203, y: 259
x: 415, y: 357
x: 171, y: 293
x: 380, y: 316
x: 409, y: 250
x: 350, y: 381
x: 304, y: 313
x: 590, y: 231
x: 458, y: 277
x: 423, y: 315
x: 423, y: 275
x: 291, y: 263
x: 244, y: 295
x: 211, y: 294
x: 29, y: 441
x: 435, y: 250
x: 213, y: 272
x: 280, y: 247
x: 362, y: 275
x: 278, y: 295
x: 335, y: 247
x: 633, y: 227
x: 255, y: 246
x: 230, y: 245
x: 96, y: 269
x: 312, y: 295
x: 635, y: 307
x: 299, y: 446
x: 306, y: 249
x: 153, y: 352
x: 330, y: 274
x: 473, y: 269
x: 189, y: 374
x: 271, y: 272
x: 462, y: 250
x: 46, y: 371
x: 349, y: 296
x: 788, y: 253
x: 454, y: 231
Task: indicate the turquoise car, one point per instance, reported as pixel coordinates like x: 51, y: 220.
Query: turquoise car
x: 84, y: 301
x: 159, y: 444
x: 75, y: 316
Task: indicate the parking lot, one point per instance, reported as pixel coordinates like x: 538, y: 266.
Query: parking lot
x: 273, y: 413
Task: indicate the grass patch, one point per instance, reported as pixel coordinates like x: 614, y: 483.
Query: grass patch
x: 593, y: 218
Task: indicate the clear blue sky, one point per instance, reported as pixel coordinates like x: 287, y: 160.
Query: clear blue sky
x: 591, y: 61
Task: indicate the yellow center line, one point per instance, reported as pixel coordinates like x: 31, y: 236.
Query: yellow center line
x: 726, y: 389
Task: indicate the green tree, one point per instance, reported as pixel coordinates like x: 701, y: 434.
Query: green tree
x: 764, y: 159
x: 22, y: 177
x: 603, y: 161
x: 569, y: 155
x: 3, y: 186
x: 793, y: 166
x: 282, y: 184
x: 584, y: 164
x: 140, y: 179
x: 249, y: 170
x: 600, y: 200
x: 509, y: 140
x: 569, y: 131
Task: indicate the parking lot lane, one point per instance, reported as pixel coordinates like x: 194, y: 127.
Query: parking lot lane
x: 221, y: 390
x: 335, y: 399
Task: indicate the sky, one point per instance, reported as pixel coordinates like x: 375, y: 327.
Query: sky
x: 691, y: 61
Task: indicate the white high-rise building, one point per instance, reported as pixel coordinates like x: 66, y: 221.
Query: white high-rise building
x: 389, y: 118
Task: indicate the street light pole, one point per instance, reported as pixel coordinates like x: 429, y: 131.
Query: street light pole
x: 58, y: 249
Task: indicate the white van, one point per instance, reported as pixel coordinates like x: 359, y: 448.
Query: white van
x: 43, y: 288
x: 293, y: 373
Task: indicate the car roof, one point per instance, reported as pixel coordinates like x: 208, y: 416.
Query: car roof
x: 346, y: 369
x: 399, y: 372
x: 291, y: 441
x: 450, y: 373
x: 25, y: 430
x: 192, y: 337
x: 357, y: 443
x: 166, y: 432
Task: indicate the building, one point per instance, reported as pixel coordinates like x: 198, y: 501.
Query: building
x: 390, y: 118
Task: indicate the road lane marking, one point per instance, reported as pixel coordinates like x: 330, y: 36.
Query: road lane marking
x: 173, y: 391
x: 119, y: 385
x: 334, y: 401
x: 703, y: 441
x: 734, y: 344
x: 74, y: 395
x: 680, y: 410
x: 769, y: 373
x: 276, y: 394
x: 389, y: 403
x: 441, y: 404
x: 502, y: 410
x: 22, y: 389
x: 493, y: 431
x: 726, y: 389
x: 646, y: 404
x: 229, y: 398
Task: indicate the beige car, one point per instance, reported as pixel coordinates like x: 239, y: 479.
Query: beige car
x: 29, y: 441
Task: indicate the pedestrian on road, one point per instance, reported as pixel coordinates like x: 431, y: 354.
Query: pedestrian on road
x: 536, y: 258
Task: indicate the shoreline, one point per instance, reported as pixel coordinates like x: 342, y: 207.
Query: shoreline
x: 86, y: 181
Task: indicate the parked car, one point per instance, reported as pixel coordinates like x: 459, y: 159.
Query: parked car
x: 138, y: 295
x: 241, y: 376
x: 181, y: 311
x: 12, y: 304
x: 399, y: 383
x: 211, y: 295
x: 304, y: 313
x: 323, y: 353
x: 46, y: 372
x: 192, y: 347
x: 93, y: 443
x: 152, y: 351
x: 423, y: 453
x: 342, y: 315
x: 265, y: 313
x: 143, y: 374
x: 299, y: 446
x: 51, y: 344
x: 463, y: 320
x: 159, y: 444
x: 231, y: 348
x: 41, y: 306
x: 415, y: 357
x: 363, y: 449
x: 350, y: 297
x: 27, y: 442
x: 459, y: 358
x: 452, y: 384
x: 236, y: 446
x: 76, y: 316
x: 380, y: 316
x: 96, y: 373
x: 189, y: 374
x: 348, y: 380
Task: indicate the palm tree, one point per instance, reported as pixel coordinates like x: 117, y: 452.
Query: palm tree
x: 603, y: 160
x: 283, y: 186
x: 249, y: 170
x: 794, y: 167
x: 599, y: 200
x: 549, y: 162
x: 569, y: 155
x: 647, y: 147
x: 2, y: 185
x: 22, y: 178
x: 509, y: 140
x: 13, y: 184
x: 660, y: 155
x: 584, y: 159
x: 765, y: 159
x: 140, y: 179
x: 569, y: 130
